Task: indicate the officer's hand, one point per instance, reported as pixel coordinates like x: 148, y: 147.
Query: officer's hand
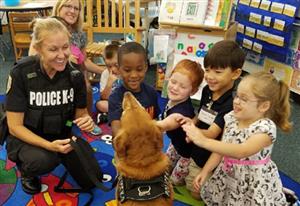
x: 61, y: 146
x: 85, y: 123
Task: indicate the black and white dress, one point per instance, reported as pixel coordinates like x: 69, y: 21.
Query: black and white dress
x: 246, y: 185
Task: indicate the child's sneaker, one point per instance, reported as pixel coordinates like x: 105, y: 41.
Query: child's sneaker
x: 96, y: 131
x: 102, y: 118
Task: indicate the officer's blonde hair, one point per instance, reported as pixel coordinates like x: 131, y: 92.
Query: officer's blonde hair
x: 77, y: 26
x: 44, y: 27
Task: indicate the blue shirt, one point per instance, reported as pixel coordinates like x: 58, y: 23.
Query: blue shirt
x: 147, y: 98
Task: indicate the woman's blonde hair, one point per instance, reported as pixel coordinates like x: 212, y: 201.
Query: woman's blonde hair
x: 43, y: 27
x: 58, y: 6
x: 266, y: 87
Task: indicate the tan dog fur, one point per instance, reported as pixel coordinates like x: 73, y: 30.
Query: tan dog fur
x: 138, y: 149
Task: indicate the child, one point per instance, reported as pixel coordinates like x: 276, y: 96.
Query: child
x: 132, y: 62
x: 184, y: 81
x: 245, y: 174
x: 108, y: 78
x: 222, y: 64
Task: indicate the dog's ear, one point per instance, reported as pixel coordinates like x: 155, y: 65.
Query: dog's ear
x: 130, y: 102
x: 119, y: 143
x: 126, y: 103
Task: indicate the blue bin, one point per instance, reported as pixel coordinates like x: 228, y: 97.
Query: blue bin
x: 12, y: 2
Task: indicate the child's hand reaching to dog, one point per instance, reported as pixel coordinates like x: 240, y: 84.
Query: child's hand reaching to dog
x: 170, y: 122
x: 184, y: 120
x: 193, y: 133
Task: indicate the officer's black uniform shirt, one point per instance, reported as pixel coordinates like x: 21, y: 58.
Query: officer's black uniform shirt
x: 47, y: 103
x: 222, y: 106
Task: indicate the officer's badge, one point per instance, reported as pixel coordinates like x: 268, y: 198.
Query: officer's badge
x: 8, y: 85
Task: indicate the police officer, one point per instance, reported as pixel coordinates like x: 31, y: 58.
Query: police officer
x: 45, y: 96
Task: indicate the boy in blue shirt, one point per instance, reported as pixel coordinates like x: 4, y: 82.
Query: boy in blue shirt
x: 132, y: 60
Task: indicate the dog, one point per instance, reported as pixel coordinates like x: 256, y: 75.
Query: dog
x: 139, y: 158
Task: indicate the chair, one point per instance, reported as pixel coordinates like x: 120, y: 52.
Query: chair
x: 113, y: 16
x: 20, y: 31
x: 3, y: 44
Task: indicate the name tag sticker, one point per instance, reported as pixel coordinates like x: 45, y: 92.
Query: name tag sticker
x: 250, y: 31
x: 255, y: 3
x: 279, y: 24
x: 276, y: 40
x: 255, y: 18
x: 265, y: 5
x: 240, y: 28
x: 289, y: 10
x: 247, y: 43
x: 267, y: 21
x: 207, y: 115
x: 245, y: 2
x: 257, y: 47
x: 262, y: 35
x: 277, y: 7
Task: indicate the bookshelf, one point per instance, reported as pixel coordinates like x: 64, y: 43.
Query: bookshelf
x: 197, y: 24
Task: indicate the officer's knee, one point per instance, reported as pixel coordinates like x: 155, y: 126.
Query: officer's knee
x: 40, y: 163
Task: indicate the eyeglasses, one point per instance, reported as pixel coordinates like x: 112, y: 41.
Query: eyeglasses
x: 70, y: 7
x: 242, y: 99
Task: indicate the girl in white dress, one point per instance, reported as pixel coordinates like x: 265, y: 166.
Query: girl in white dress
x: 244, y: 173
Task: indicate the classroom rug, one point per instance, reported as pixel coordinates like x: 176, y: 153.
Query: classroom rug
x: 11, y: 193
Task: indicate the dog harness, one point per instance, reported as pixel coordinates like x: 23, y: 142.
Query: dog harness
x: 143, y: 190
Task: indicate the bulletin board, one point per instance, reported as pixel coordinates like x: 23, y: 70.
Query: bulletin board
x: 181, y: 45
x: 265, y: 26
x: 288, y: 71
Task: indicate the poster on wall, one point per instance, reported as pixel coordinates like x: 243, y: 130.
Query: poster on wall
x: 295, y: 82
x: 189, y: 46
x: 195, y: 45
x: 160, y: 50
x: 280, y: 71
x: 163, y: 49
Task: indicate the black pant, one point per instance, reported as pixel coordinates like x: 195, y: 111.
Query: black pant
x: 31, y: 160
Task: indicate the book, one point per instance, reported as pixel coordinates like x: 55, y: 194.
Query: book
x: 193, y: 12
x: 170, y: 11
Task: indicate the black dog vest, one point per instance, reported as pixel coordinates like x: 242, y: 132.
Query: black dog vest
x: 143, y: 190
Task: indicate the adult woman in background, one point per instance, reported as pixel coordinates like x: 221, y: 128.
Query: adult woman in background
x: 45, y: 95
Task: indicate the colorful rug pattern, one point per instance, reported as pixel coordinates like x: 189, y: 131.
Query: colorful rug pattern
x: 11, y: 192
